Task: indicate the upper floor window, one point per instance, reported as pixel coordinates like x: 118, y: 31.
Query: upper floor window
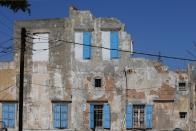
x: 60, y: 115
x: 182, y: 114
x: 98, y: 82
x: 110, y: 40
x: 40, y: 47
x: 182, y: 86
x: 8, y: 115
x: 83, y: 45
x: 139, y: 116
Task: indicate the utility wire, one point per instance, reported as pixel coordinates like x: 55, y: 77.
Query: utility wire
x: 5, y: 25
x: 169, y: 92
x: 6, y: 88
x: 5, y: 33
x: 4, y: 42
x: 126, y: 51
x: 6, y: 17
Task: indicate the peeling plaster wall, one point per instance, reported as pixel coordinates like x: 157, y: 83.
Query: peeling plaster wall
x: 67, y: 77
x: 7, y: 84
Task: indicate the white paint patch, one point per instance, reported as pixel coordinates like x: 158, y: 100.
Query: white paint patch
x: 58, y: 85
x: 105, y: 38
x: 79, y: 48
x: 57, y: 79
x: 40, y: 42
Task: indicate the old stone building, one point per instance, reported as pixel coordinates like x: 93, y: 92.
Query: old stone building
x: 80, y: 75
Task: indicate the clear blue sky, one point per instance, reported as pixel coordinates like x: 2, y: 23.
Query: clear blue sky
x: 168, y: 26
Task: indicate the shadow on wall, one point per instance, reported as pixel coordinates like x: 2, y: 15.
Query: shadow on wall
x: 177, y: 129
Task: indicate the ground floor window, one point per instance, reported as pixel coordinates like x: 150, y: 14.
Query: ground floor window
x: 138, y: 116
x: 60, y: 115
x: 8, y: 115
x: 99, y: 116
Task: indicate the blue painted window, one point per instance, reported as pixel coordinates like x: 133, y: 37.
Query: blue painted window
x: 91, y: 114
x: 139, y: 116
x: 60, y: 115
x: 99, y: 116
x: 114, y: 43
x: 148, y: 115
x: 106, y: 115
x: 87, y: 45
x: 8, y: 115
x: 129, y: 116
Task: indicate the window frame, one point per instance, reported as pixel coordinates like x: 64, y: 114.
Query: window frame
x: 182, y: 114
x: 147, y: 116
x: 140, y: 106
x: 83, y: 40
x: 67, y: 114
x: 13, y: 117
x: 99, y: 84
x: 182, y: 88
x: 106, y: 115
x: 102, y: 119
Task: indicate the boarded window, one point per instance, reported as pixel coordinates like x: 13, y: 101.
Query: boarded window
x: 83, y: 45
x: 8, y: 115
x: 40, y: 47
x: 110, y: 41
x: 60, y: 115
x: 114, y: 42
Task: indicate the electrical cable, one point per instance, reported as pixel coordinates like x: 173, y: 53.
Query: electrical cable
x: 126, y: 51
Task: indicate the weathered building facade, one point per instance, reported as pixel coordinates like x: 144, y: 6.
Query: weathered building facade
x: 80, y: 75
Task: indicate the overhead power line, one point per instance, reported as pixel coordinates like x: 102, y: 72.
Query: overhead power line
x: 126, y: 51
x: 105, y: 89
x: 5, y: 25
x: 6, y: 88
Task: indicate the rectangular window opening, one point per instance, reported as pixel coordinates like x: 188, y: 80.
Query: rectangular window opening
x: 8, y: 115
x: 182, y: 86
x: 138, y: 116
x: 97, y: 82
x: 182, y: 114
x: 60, y: 115
x: 98, y: 116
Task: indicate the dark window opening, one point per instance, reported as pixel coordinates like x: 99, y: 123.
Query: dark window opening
x: 182, y: 114
x: 182, y: 86
x: 98, y: 115
x: 97, y: 82
x: 138, y: 116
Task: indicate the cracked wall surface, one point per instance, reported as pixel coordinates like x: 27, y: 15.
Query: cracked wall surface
x: 67, y: 77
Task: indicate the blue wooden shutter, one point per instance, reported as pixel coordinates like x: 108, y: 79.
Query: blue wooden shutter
x: 64, y: 115
x: 114, y: 43
x: 129, y: 116
x: 106, y: 115
x: 5, y: 115
x: 8, y: 115
x: 87, y: 45
x: 91, y: 115
x: 148, y: 115
x: 11, y: 115
x: 56, y: 115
